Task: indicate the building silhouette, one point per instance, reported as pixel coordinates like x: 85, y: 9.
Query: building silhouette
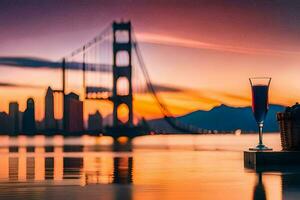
x: 40, y: 125
x: 59, y: 124
x: 6, y: 123
x: 28, y: 122
x: 20, y: 121
x: 95, y: 121
x: 14, y: 115
x: 73, y: 113
x: 50, y: 123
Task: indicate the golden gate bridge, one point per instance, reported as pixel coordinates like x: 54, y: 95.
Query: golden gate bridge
x: 113, y: 69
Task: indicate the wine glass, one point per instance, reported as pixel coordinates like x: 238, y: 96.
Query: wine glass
x: 260, y: 106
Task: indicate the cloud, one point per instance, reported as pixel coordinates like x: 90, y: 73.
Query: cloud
x: 166, y: 88
x: 205, y: 95
x: 195, y: 44
x: 33, y: 62
x: 234, y: 96
x: 28, y: 62
x: 5, y: 84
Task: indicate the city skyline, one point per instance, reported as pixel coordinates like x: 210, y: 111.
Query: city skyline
x: 17, y: 122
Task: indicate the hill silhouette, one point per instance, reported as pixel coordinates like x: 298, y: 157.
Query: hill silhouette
x: 226, y: 118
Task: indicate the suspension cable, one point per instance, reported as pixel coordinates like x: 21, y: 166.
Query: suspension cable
x: 90, y: 43
x: 165, y: 111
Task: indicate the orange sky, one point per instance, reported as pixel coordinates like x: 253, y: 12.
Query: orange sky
x: 217, y: 74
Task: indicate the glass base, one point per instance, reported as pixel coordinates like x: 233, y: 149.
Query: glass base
x: 261, y: 147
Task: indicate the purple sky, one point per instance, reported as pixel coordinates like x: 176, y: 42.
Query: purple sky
x: 53, y: 28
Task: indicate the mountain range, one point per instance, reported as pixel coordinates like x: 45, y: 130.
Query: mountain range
x: 225, y: 118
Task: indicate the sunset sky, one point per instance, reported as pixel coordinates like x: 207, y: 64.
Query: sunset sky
x: 206, y: 49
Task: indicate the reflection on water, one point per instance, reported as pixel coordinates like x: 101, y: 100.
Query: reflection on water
x: 87, y: 167
x: 84, y: 168
x: 259, y: 189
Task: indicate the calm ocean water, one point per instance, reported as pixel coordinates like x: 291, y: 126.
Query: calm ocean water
x: 158, y: 167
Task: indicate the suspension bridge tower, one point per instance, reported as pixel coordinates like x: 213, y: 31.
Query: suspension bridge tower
x: 122, y: 69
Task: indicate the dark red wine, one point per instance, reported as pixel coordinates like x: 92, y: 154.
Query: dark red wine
x: 260, y: 102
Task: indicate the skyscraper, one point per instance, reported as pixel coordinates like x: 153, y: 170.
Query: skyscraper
x: 95, y: 121
x: 6, y: 123
x: 73, y: 113
x: 14, y: 115
x: 50, y: 123
x: 29, y: 118
x: 21, y: 121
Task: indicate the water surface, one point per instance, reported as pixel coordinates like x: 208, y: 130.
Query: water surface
x: 158, y: 167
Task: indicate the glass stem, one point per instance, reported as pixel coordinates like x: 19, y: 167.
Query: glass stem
x: 260, y: 126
